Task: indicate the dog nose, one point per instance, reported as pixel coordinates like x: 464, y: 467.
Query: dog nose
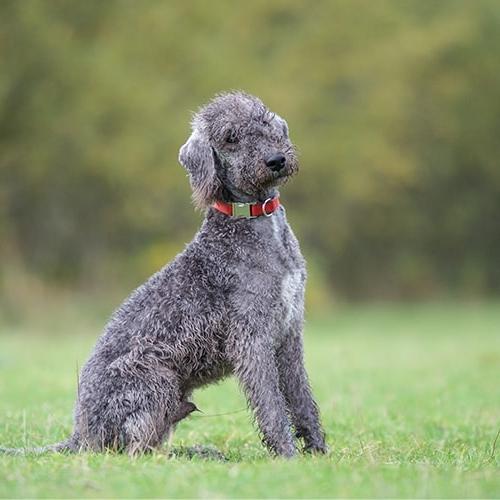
x: 276, y: 162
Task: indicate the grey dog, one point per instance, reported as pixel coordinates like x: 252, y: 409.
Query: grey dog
x: 231, y: 303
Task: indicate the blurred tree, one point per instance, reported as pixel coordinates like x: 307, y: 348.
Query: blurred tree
x: 393, y: 105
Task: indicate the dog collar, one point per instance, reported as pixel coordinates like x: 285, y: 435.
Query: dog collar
x: 248, y: 210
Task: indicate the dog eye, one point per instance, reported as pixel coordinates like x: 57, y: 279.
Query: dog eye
x: 231, y: 137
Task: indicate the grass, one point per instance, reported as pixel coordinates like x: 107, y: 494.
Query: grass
x: 410, y: 399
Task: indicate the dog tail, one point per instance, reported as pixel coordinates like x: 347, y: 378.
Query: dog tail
x: 67, y: 446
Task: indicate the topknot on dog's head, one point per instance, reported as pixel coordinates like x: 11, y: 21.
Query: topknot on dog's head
x: 229, y: 111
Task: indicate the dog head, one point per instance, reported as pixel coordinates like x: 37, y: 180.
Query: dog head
x: 238, y: 149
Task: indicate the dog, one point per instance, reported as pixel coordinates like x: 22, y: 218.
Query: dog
x: 231, y: 304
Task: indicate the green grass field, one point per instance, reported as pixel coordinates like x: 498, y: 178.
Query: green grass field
x: 410, y: 398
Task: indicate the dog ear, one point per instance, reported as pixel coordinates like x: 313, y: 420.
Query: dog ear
x: 198, y: 158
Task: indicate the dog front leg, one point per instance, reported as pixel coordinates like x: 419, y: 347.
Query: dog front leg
x: 297, y: 391
x: 255, y: 366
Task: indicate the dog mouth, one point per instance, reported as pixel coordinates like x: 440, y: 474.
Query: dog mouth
x: 266, y: 179
x: 275, y: 179
x: 282, y: 175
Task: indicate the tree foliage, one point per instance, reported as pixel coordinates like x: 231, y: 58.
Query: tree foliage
x: 394, y: 105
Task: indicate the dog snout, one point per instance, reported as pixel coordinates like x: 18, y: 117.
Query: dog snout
x: 276, y: 162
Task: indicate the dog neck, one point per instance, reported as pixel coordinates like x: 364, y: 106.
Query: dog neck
x: 229, y: 194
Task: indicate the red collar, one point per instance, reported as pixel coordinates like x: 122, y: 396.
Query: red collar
x: 248, y: 210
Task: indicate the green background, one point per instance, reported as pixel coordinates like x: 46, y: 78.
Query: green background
x: 394, y: 107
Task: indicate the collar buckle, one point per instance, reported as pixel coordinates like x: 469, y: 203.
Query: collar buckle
x: 264, y: 208
x: 243, y: 210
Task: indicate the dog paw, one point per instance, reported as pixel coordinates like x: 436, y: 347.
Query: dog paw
x: 316, y: 449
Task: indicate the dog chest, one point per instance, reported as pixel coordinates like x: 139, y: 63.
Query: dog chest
x: 292, y: 291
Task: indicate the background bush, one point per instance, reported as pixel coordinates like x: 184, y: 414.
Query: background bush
x: 394, y: 105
